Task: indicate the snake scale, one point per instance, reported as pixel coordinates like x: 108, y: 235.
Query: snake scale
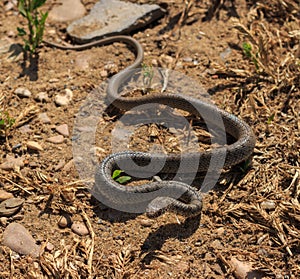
x: 157, y: 197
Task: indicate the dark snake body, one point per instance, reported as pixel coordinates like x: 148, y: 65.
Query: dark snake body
x: 157, y: 197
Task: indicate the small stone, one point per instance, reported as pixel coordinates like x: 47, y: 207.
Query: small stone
x: 44, y: 118
x: 56, y: 139
x: 3, y: 221
x: 68, y: 10
x: 220, y: 231
x: 64, y: 100
x: 60, y: 165
x: 63, y: 129
x: 104, y: 73
x: 65, y: 221
x: 154, y: 63
x: 23, y: 92
x: 5, y: 195
x: 10, y: 206
x: 146, y: 223
x: 80, y: 229
x: 34, y: 145
x: 187, y: 59
x: 68, y: 166
x: 49, y: 246
x: 25, y: 129
x: 18, y: 238
x: 42, y: 97
x: 268, y: 204
x: 53, y: 80
x: 8, y: 6
x: 11, y: 163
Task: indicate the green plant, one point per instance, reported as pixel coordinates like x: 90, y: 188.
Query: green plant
x: 118, y: 178
x: 35, y: 23
x: 6, y: 123
x: 270, y: 118
x: 247, y: 48
x: 148, y: 74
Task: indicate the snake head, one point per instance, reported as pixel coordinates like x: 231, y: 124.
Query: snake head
x: 158, y: 206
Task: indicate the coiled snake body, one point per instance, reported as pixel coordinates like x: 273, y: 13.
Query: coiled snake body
x: 157, y: 197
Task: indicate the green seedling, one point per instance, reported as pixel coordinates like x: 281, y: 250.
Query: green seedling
x: 148, y: 74
x: 6, y: 123
x: 120, y: 178
x: 270, y: 118
x: 248, y: 51
x: 35, y: 24
x: 245, y: 166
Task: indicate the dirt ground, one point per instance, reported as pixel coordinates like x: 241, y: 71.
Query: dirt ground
x: 250, y: 220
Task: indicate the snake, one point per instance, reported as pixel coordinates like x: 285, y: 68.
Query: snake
x: 157, y: 197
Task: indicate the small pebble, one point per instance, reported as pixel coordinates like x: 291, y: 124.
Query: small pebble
x: 80, y: 229
x: 220, y: 231
x: 3, y: 221
x: 154, y: 63
x: 49, y: 246
x: 61, y: 100
x: 60, y: 164
x: 25, y: 129
x: 67, y: 10
x: 268, y: 204
x: 64, y: 100
x: 65, y: 221
x: 104, y: 73
x: 53, y: 80
x: 34, y: 145
x: 5, y: 195
x: 11, y: 163
x: 44, y: 118
x: 63, y: 129
x: 23, y: 92
x: 18, y: 238
x: 8, y: 6
x: 68, y: 166
x: 42, y: 97
x: 146, y: 222
x: 187, y: 59
x: 56, y: 139
x: 10, y: 206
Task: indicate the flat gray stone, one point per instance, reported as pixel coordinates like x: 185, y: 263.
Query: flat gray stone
x: 112, y: 17
x: 67, y: 10
x: 18, y: 239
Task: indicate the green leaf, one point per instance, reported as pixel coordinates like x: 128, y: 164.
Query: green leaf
x: 37, y: 3
x: 123, y: 179
x: 270, y: 118
x: 116, y: 174
x: 247, y: 48
x: 21, y: 8
x: 21, y: 31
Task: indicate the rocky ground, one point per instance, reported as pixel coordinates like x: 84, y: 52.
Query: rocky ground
x: 250, y: 220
